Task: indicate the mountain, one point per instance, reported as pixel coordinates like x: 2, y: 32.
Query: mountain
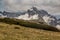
x: 57, y: 16
x: 35, y: 15
x: 40, y: 15
x: 10, y: 14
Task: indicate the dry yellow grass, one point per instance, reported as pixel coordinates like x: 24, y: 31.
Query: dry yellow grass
x: 16, y: 32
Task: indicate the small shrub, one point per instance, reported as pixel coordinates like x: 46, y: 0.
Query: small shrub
x: 16, y: 28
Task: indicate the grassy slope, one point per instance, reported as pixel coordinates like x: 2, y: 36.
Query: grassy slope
x: 30, y: 24
x: 10, y: 32
x: 13, y: 29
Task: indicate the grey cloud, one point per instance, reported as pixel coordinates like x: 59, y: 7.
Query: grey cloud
x: 52, y: 6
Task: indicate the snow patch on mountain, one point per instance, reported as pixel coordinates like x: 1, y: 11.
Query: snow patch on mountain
x: 26, y: 17
x: 48, y: 19
x: 58, y: 27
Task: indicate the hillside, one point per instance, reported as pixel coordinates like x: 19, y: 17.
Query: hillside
x: 13, y: 29
x: 16, y: 32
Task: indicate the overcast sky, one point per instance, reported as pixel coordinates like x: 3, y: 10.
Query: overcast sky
x: 52, y: 6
